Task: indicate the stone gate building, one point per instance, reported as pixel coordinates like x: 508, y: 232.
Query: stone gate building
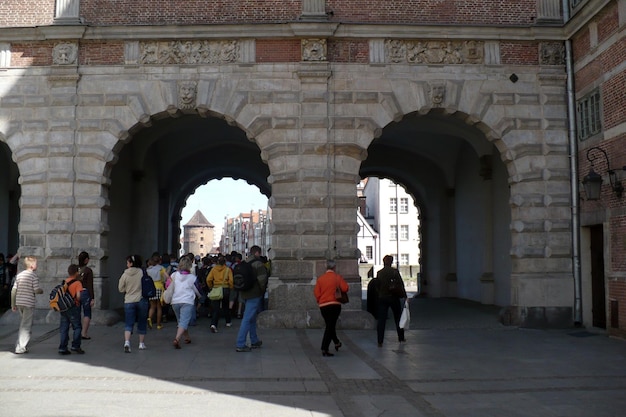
x: 108, y: 111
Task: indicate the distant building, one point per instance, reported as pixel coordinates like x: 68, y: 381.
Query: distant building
x: 198, y: 235
x: 388, y: 223
x: 246, y: 230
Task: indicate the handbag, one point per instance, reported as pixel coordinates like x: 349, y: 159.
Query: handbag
x: 341, y: 296
x: 216, y: 294
x: 405, y: 318
x: 169, y: 292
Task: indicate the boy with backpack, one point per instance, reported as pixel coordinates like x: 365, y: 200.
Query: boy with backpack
x: 71, y: 316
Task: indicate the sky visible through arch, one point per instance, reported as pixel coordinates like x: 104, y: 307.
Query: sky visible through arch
x: 218, y: 199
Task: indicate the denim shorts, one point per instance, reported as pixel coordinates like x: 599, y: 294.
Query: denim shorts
x: 136, y: 312
x: 85, y: 303
x: 184, y: 314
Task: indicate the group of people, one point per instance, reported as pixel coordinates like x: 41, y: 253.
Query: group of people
x: 78, y: 316
x: 188, y: 286
x: 384, y: 292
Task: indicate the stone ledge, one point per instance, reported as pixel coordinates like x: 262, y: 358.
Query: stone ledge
x: 312, y: 319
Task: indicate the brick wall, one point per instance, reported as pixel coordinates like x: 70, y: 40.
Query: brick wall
x: 31, y: 54
x: 188, y: 12
x: 278, y: 50
x: 18, y: 13
x: 519, y: 53
x: 22, y: 13
x: 353, y: 51
x: 471, y: 12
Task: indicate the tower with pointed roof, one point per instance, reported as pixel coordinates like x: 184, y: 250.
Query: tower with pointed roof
x: 198, y: 235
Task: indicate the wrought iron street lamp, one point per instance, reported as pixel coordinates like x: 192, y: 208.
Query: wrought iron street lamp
x: 593, y: 181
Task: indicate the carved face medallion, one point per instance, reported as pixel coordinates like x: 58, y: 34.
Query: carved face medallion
x: 187, y: 95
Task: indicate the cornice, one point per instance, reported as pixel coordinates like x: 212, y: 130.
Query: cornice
x: 286, y: 30
x: 584, y: 15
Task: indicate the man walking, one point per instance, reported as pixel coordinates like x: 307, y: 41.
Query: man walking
x: 253, y: 299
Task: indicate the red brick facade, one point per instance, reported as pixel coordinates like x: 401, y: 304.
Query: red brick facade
x: 605, y: 56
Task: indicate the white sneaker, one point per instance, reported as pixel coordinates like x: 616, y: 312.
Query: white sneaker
x: 142, y: 346
x: 229, y: 324
x: 213, y: 329
x: 127, y: 347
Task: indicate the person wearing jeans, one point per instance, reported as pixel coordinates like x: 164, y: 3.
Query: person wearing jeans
x: 135, y: 306
x: 72, y: 315
x: 253, y: 299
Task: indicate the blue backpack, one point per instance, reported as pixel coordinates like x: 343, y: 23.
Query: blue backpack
x: 148, y: 290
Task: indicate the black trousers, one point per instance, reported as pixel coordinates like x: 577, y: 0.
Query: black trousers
x: 384, y: 303
x: 330, y: 313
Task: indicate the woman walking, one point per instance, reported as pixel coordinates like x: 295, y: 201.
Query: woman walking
x: 87, y: 295
x: 220, y: 276
x: 157, y: 272
x: 135, y: 306
x: 330, y: 308
x: 183, y: 299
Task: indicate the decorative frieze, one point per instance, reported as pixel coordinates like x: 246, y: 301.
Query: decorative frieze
x: 314, y: 50
x: 189, y: 52
x: 65, y: 54
x: 434, y: 52
x: 552, y: 53
x: 187, y: 95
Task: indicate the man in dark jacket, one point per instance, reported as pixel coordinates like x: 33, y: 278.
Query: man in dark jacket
x: 253, y: 299
x: 390, y: 291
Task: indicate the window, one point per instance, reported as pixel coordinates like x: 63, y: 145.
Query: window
x: 404, y: 205
x: 404, y: 259
x: 393, y: 205
x: 369, y: 252
x: 588, y: 115
x: 404, y: 232
x: 393, y: 232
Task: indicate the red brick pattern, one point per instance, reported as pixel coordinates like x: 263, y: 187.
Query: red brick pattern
x: 24, y: 13
x: 188, y: 12
x: 278, y: 50
x: 608, y: 22
x: 519, y: 53
x: 31, y: 54
x: 351, y: 51
x: 491, y: 12
x: 101, y: 53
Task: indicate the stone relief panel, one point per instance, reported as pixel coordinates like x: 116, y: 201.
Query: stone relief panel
x: 437, y: 93
x: 64, y: 54
x: 314, y: 49
x: 434, y: 52
x: 552, y: 53
x: 187, y: 93
x: 189, y: 52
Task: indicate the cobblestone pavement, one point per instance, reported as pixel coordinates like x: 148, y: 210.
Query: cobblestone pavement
x: 457, y: 362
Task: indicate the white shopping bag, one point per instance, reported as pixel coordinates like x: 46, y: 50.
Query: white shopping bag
x: 405, y: 318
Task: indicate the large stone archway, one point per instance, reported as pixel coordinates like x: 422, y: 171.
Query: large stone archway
x: 312, y: 121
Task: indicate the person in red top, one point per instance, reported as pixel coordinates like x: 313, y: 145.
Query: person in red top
x: 72, y: 315
x: 330, y: 308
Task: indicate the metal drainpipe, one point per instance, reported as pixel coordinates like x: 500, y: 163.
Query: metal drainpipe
x: 573, y: 150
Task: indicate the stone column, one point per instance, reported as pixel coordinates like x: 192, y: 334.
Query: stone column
x: 67, y: 12
x: 314, y: 212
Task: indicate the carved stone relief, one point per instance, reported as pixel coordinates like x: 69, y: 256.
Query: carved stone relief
x: 187, y: 95
x: 64, y: 54
x: 437, y: 93
x: 189, y: 52
x: 434, y: 52
x: 552, y: 53
x: 314, y: 49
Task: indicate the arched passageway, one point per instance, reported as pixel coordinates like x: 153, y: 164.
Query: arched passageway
x: 459, y: 181
x: 10, y: 193
x: 160, y: 166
